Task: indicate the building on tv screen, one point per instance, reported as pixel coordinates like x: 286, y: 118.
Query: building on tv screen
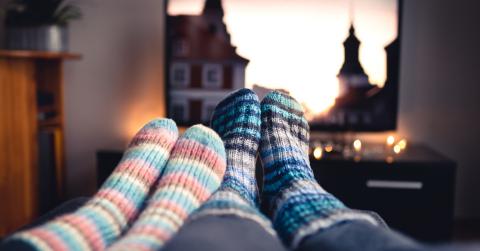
x: 338, y: 58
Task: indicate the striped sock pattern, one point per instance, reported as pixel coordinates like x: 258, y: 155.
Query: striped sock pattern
x: 237, y: 120
x: 193, y: 172
x: 102, y: 220
x: 298, y: 204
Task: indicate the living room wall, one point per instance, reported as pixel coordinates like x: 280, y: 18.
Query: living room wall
x: 118, y: 85
x: 440, y: 88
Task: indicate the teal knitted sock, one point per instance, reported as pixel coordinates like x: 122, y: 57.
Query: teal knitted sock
x: 298, y: 204
x: 237, y: 120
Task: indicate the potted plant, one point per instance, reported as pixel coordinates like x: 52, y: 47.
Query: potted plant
x: 39, y: 24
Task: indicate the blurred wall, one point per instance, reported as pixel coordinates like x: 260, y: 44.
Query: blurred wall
x: 118, y: 84
x: 116, y: 87
x: 440, y: 87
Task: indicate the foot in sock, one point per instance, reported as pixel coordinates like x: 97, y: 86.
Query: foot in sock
x: 237, y: 120
x: 101, y: 221
x: 193, y: 172
x: 298, y: 205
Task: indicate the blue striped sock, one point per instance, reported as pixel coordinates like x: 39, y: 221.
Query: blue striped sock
x: 237, y: 120
x: 298, y: 204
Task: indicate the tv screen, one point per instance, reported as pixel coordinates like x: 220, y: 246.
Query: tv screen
x: 339, y: 59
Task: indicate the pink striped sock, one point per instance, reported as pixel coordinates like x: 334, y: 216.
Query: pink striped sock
x: 194, y: 170
x: 101, y: 221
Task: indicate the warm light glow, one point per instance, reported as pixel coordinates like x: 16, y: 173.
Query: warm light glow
x: 390, y: 140
x: 328, y: 148
x: 357, y: 158
x: 397, y: 149
x: 389, y: 159
x: 297, y: 45
x: 402, y: 143
x: 318, y: 152
x: 357, y: 145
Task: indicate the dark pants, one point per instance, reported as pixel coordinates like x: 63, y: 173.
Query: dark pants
x: 230, y: 233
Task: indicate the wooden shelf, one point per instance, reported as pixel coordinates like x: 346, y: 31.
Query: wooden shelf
x: 49, y: 108
x: 54, y: 122
x: 39, y: 54
x: 25, y: 141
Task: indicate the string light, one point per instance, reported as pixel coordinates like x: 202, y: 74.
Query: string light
x: 357, y: 145
x: 317, y: 152
x: 389, y: 159
x: 328, y: 148
x: 357, y: 158
x: 397, y: 149
x: 390, y: 140
x: 403, y: 144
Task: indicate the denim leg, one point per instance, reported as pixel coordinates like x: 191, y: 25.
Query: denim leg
x: 223, y: 233
x: 359, y: 235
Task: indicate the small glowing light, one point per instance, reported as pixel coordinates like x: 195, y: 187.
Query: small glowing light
x: 357, y: 158
x: 390, y: 140
x: 317, y: 152
x: 389, y: 159
x: 357, y: 145
x: 397, y: 149
x: 328, y: 148
x: 402, y: 143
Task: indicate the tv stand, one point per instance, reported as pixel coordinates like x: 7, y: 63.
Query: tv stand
x: 413, y: 191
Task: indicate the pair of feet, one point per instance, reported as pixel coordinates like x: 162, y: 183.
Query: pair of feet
x: 179, y: 175
x: 161, y: 179
x: 277, y: 129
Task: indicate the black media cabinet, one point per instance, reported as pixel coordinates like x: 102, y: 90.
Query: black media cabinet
x: 413, y: 192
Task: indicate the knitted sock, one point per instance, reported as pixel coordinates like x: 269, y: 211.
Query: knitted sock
x: 299, y: 206
x: 237, y: 120
x: 101, y: 221
x: 193, y: 172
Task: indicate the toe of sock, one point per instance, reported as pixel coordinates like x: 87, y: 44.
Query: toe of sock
x: 280, y: 105
x: 206, y: 137
x: 284, y: 100
x: 160, y: 123
x: 240, y: 94
x: 158, y: 131
x: 240, y: 109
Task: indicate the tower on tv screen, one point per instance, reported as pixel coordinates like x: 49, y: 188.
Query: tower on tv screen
x: 340, y: 59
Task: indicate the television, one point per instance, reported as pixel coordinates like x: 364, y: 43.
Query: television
x: 339, y: 59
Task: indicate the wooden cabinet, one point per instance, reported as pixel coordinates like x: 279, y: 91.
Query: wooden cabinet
x: 31, y: 105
